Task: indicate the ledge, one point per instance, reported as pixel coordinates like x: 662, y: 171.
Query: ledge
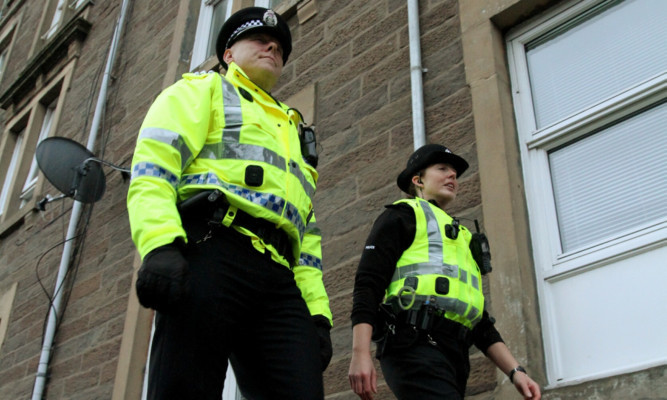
x: 11, y: 223
x: 47, y: 59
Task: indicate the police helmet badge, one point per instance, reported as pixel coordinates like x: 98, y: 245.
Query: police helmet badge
x: 270, y: 18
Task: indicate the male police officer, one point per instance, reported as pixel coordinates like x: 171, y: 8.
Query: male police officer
x: 233, y: 271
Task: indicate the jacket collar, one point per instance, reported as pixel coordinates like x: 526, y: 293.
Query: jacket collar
x: 236, y: 76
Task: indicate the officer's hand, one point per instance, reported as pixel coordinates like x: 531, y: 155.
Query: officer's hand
x: 162, y: 280
x: 362, y: 375
x: 323, y: 327
x: 528, y: 388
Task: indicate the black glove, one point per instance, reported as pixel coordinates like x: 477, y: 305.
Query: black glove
x: 322, y: 326
x: 162, y: 280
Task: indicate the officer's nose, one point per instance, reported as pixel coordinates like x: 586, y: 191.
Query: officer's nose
x: 273, y: 46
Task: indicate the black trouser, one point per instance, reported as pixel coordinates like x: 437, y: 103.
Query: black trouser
x: 418, y: 370
x: 243, y: 307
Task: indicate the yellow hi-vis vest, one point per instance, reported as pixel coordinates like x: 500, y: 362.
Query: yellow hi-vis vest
x: 433, y: 255
x: 207, y: 131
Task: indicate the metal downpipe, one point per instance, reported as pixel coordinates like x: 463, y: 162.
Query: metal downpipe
x: 49, y: 334
x: 418, y: 130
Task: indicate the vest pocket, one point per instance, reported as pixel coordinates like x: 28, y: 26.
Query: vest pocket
x: 442, y: 285
x: 254, y: 175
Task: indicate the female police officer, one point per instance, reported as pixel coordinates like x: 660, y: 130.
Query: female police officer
x: 420, y: 259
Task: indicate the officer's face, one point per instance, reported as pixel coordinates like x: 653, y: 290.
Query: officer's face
x: 439, y: 183
x: 260, y: 56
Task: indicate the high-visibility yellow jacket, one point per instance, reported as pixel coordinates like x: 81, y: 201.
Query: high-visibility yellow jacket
x: 207, y: 131
x: 445, y: 270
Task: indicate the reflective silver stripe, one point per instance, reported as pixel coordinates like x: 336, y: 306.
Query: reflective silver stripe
x: 474, y: 316
x: 464, y: 276
x: 233, y: 117
x: 296, y: 171
x: 435, y: 264
x: 172, y: 139
x: 433, y: 233
x: 475, y: 281
x: 310, y: 260
x: 151, y: 169
x: 269, y: 201
x: 425, y: 269
x: 239, y: 151
x: 458, y: 307
x: 476, y: 320
x: 230, y: 147
x: 313, y: 229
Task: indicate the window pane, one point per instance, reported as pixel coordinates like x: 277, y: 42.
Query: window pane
x: 219, y: 16
x: 612, y: 181
x: 588, y: 313
x: 3, y: 59
x: 31, y: 179
x: 11, y: 171
x: 596, y: 58
x: 268, y: 3
x: 57, y: 16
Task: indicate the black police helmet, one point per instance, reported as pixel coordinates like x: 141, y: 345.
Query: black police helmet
x: 426, y: 156
x: 253, y: 19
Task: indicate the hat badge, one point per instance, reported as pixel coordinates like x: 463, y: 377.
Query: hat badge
x: 270, y: 18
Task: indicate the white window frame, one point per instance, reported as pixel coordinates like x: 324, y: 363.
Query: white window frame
x: 10, y: 175
x: 58, y: 14
x: 6, y: 43
x: 6, y: 301
x: 551, y: 264
x: 31, y: 180
x: 3, y: 61
x: 75, y: 4
x: 30, y: 120
x: 204, y: 26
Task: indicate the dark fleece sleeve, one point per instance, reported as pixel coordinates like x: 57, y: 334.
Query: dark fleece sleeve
x: 392, y: 233
x: 484, y: 334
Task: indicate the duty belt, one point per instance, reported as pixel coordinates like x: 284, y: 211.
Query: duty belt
x: 213, y: 205
x: 426, y: 317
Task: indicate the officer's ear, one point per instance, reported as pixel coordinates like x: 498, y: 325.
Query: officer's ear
x: 417, y: 181
x: 227, y: 56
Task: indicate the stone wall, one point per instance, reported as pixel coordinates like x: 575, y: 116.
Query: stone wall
x: 85, y: 356
x: 356, y: 54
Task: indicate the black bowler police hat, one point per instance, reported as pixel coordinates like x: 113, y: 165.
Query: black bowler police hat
x: 426, y: 156
x: 253, y: 19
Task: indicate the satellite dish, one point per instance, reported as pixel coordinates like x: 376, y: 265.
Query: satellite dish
x: 71, y: 168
